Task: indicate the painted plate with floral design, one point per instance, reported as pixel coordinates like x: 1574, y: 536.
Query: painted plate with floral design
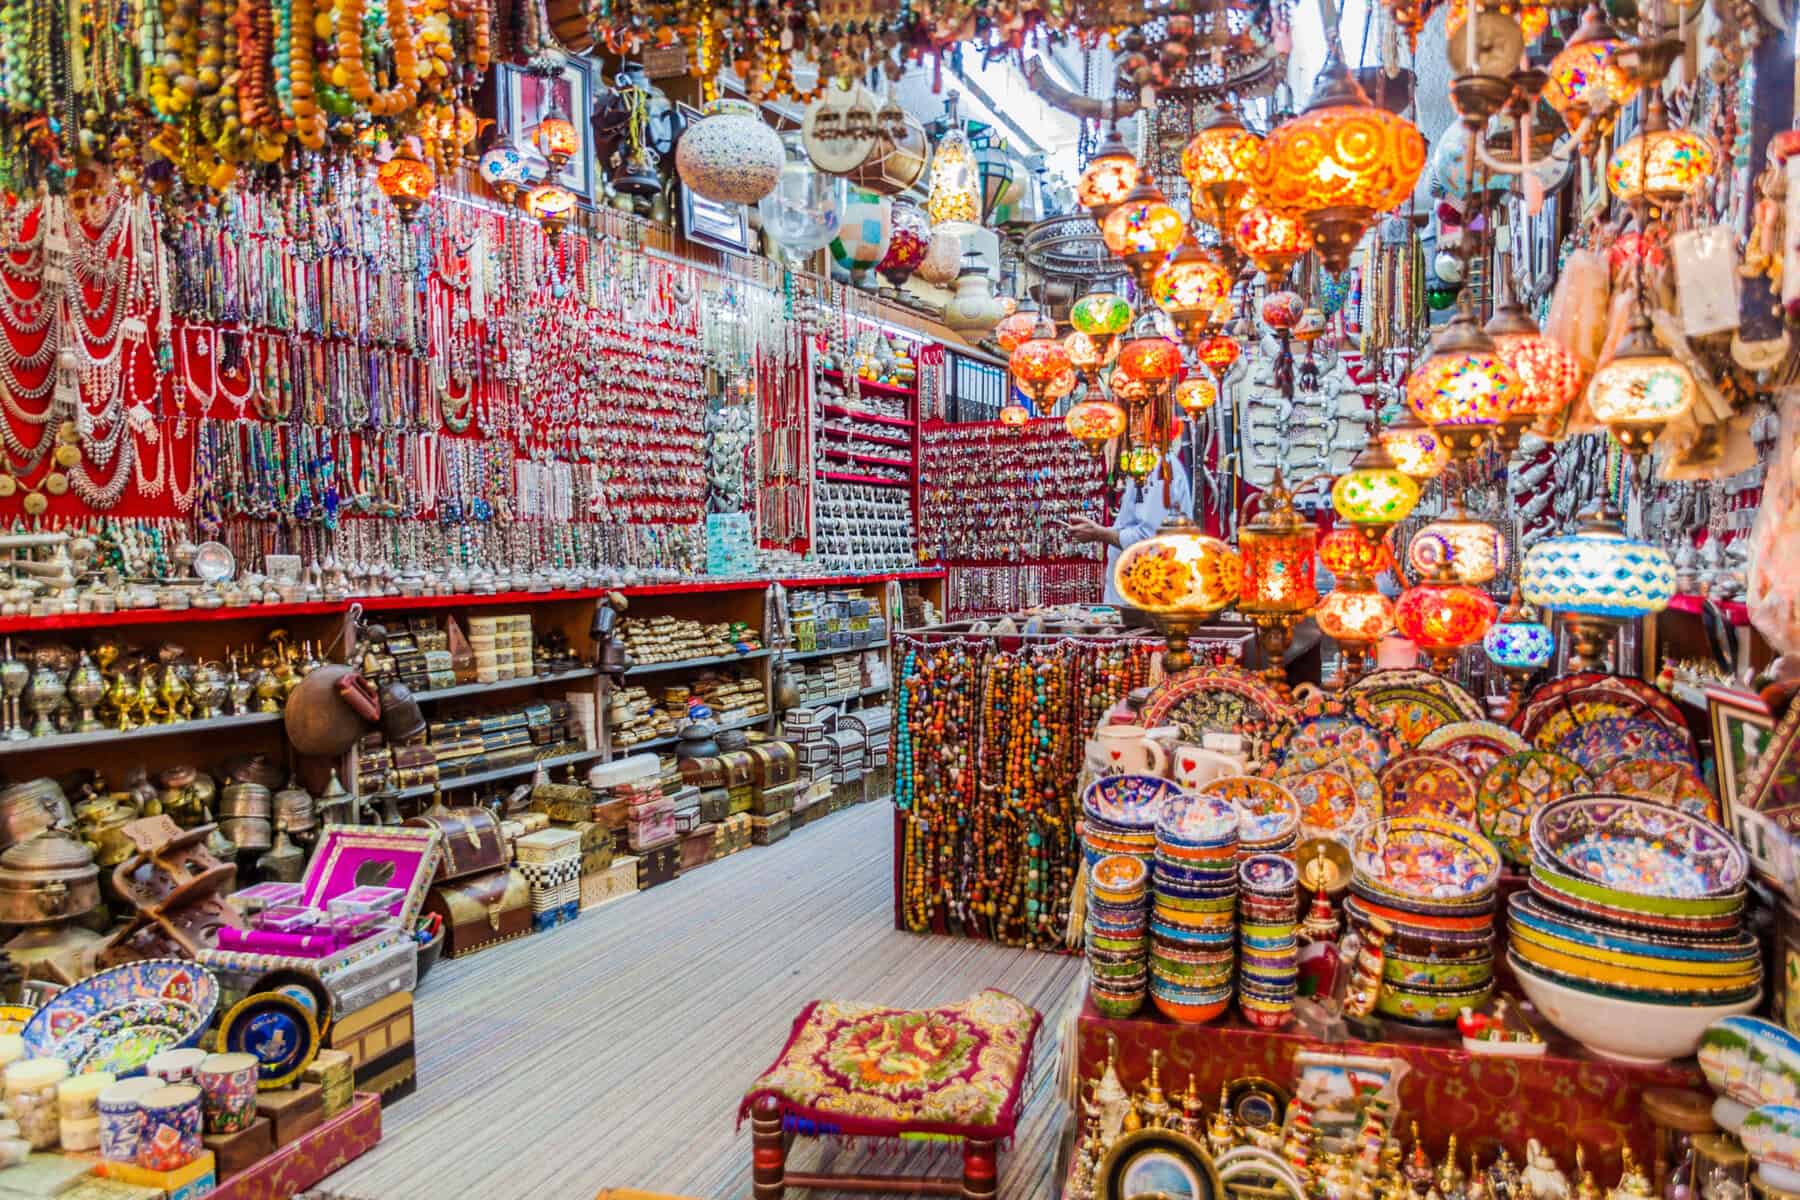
x: 1375, y: 683
x: 1335, y: 799
x: 1639, y: 848
x: 1218, y: 700
x: 1328, y: 727
x: 1675, y: 784
x: 1477, y: 745
x: 1515, y: 788
x: 1425, y: 783
x: 1555, y: 709
x: 1596, y: 745
x: 1417, y: 858
x: 1411, y: 714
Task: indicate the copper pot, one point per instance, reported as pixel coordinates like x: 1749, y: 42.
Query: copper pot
x: 49, y: 878
x: 244, y: 800
x: 330, y: 710
x: 27, y: 809
x: 248, y: 833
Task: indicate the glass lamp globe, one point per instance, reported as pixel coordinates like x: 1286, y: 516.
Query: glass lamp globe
x: 1101, y: 314
x: 1217, y: 163
x: 1095, y: 422
x: 1144, y: 227
x: 1218, y: 351
x: 1014, y: 416
x: 505, y: 170
x: 1272, y: 240
x: 1038, y: 362
x: 1086, y: 353
x: 1519, y: 642
x: 1549, y: 375
x: 954, y: 201
x: 1463, y: 388
x: 1196, y: 393
x: 1641, y: 389
x: 1355, y: 620
x: 407, y: 181
x: 1016, y: 328
x: 908, y: 244
x: 1597, y: 578
x: 803, y: 210
x: 1415, y: 446
x: 1470, y: 551
x: 550, y: 205
x: 1354, y: 559
x: 1190, y: 284
x: 1582, y: 75
x: 556, y: 139
x: 1374, y: 495
x: 1129, y: 389
x: 1661, y: 165
x: 1138, y: 462
x: 1283, y: 310
x: 1148, y: 356
x: 1180, y: 576
x: 1278, y: 550
x: 1441, y: 616
x: 1109, y: 175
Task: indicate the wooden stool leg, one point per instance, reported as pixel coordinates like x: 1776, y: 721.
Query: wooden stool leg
x: 981, y: 1170
x: 768, y: 1150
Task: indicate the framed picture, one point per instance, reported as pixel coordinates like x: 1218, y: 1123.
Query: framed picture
x: 523, y: 100
x: 1774, y: 780
x: 723, y: 226
x: 1161, y: 1163
x: 1741, y: 730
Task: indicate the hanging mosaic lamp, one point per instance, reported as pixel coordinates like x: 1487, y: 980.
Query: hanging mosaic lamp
x: 551, y: 205
x: 1339, y: 162
x: 1189, y: 285
x: 1472, y: 551
x: 1415, y: 446
x: 1374, y: 495
x: 954, y: 200
x: 1143, y: 228
x: 1039, y: 361
x: 1148, y: 356
x: 1017, y: 327
x: 1094, y: 422
x: 1279, y: 551
x: 1441, y: 617
x: 1354, y: 618
x: 1101, y: 313
x: 908, y: 243
x: 1181, y: 577
x: 1273, y: 241
x: 1015, y: 416
x: 406, y: 180
x: 1519, y: 645
x: 1598, y: 578
x: 1353, y: 558
x: 863, y: 232
x: 1463, y: 388
x: 505, y: 170
x: 556, y: 139
x: 1660, y: 165
x: 1218, y: 351
x: 994, y: 163
x: 1549, y: 375
x: 1640, y: 389
x: 1217, y: 164
x: 1582, y: 74
x: 1197, y: 393
x: 730, y: 156
x: 1088, y: 353
x: 1109, y: 175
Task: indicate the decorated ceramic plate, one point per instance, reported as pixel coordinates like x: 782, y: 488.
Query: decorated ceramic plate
x: 1664, y: 996
x: 1467, y: 707
x: 1424, y: 783
x: 1639, y: 848
x: 1269, y: 874
x: 1335, y: 799
x: 1419, y: 858
x: 1130, y: 801
x: 1596, y: 745
x: 1515, y: 788
x: 1266, y: 810
x: 1771, y: 1133
x: 1753, y: 1061
x: 115, y: 1020
x: 1716, y: 919
x: 1477, y: 745
x: 1198, y: 819
x: 278, y: 1029
x: 1218, y: 700
x: 1527, y: 908
x: 1329, y: 726
x: 1411, y: 714
x: 1674, y: 784
x: 1555, y: 709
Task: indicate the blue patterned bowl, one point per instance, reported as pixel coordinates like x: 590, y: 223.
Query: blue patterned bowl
x: 1638, y: 854
x: 116, y: 1020
x: 1132, y: 802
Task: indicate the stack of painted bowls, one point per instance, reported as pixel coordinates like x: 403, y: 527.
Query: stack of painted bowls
x: 1268, y: 814
x: 1118, y: 923
x: 1268, y: 951
x: 1195, y: 878
x: 1119, y: 815
x: 1630, y: 940
x: 1430, y: 884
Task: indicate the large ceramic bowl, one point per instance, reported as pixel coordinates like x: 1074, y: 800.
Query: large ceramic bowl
x: 1721, y: 918
x: 1534, y: 914
x: 1647, y: 853
x: 1267, y: 812
x: 116, y: 1020
x: 1425, y: 859
x: 1199, y: 820
x: 1132, y: 802
x: 1628, y: 971
x: 1634, y: 1031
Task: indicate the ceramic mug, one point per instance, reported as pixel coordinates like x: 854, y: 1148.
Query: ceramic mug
x: 228, y: 1091
x: 1126, y: 750
x: 122, y: 1116
x: 1194, y: 765
x: 175, y: 1066
x: 170, y: 1137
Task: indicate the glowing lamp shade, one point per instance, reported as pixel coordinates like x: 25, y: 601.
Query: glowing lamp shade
x: 505, y: 170
x: 1582, y: 74
x: 1092, y: 422
x: 556, y: 139
x: 954, y: 201
x: 1354, y: 617
x: 1664, y: 166
x: 1283, y: 310
x: 1129, y: 389
x: 1465, y: 388
x: 1532, y: 19
x: 1279, y: 551
x: 1109, y: 176
x: 1519, y: 645
x: 1598, y: 572
x: 1060, y: 385
x: 909, y: 242
x: 1549, y: 375
x: 1015, y: 330
x: 551, y: 206
x: 1378, y: 497
x: 1217, y: 163
x: 1138, y: 462
x: 1101, y: 314
x: 407, y: 181
x: 1086, y: 353
x: 1150, y: 359
x: 1273, y: 240
x: 1196, y: 393
x: 867, y: 222
x: 1190, y: 283
x: 1415, y: 447
x: 1641, y: 389
x: 1144, y: 225
x: 1013, y: 416
x: 1349, y: 555
x: 1442, y: 617
x: 1178, y: 571
x: 1218, y: 352
x: 1471, y: 551
x: 1037, y: 365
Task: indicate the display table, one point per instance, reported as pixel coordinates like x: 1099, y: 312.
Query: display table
x: 304, y: 1162
x: 1566, y: 1097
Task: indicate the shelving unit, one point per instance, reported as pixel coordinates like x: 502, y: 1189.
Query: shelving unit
x: 112, y: 737
x: 490, y: 776
x: 502, y: 685
x: 803, y: 655
x: 694, y: 664
x: 856, y: 448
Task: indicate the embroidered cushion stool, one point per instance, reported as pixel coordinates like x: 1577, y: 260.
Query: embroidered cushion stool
x: 860, y: 1070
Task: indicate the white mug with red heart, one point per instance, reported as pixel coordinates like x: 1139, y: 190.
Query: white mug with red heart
x: 1193, y: 765
x: 1126, y: 750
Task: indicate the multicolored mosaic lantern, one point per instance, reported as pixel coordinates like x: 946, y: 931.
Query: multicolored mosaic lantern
x: 407, y: 181
x: 1094, y: 422
x: 861, y: 241
x: 1469, y: 550
x: 1015, y: 329
x: 1143, y: 228
x: 1641, y: 389
x: 1597, y: 578
x: 1101, y: 314
x: 506, y: 170
x: 1463, y: 389
x: 1374, y: 495
x: 1353, y: 558
x: 1196, y: 393
x: 1038, y: 363
x: 1520, y: 645
x: 1181, y: 577
x: 1660, y: 165
x: 1109, y: 176
x: 1583, y: 72
x: 1549, y: 375
x: 908, y: 243
x: 1441, y: 617
x: 556, y: 139
x: 1189, y: 285
x: 1217, y: 164
x: 1149, y: 356
x: 1272, y: 240
x: 1283, y: 310
x: 1014, y: 416
x: 551, y: 205
x: 1278, y: 549
x: 1086, y: 353
x: 1355, y: 619
x: 1415, y: 446
x: 1218, y: 352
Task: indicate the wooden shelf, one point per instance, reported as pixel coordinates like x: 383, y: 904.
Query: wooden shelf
x: 501, y: 685
x: 688, y: 664
x: 838, y: 410
x: 108, y: 737
x: 870, y: 386
x: 873, y: 480
x: 875, y: 459
x: 671, y: 738
x: 803, y: 655
x: 478, y: 778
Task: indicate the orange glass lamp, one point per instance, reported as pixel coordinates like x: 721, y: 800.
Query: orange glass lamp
x: 1149, y: 357
x: 1471, y: 551
x: 1549, y: 375
x: 1374, y: 495
x: 1272, y: 240
x: 1641, y: 389
x: 1094, y: 422
x: 1279, y: 551
x: 1015, y: 329
x: 1415, y: 446
x: 1353, y: 559
x: 1441, y: 616
x: 1189, y: 285
x: 1533, y: 19
x: 1038, y: 364
x: 1129, y: 389
x: 1197, y: 393
x: 1109, y: 175
x: 556, y: 139
x: 550, y: 205
x: 1217, y: 163
x: 1660, y: 165
x: 1181, y: 577
x: 407, y: 181
x: 1354, y: 618
x: 1218, y: 351
x: 1086, y: 352
x: 1582, y: 75
x: 1339, y: 162
x: 1015, y: 416
x: 1463, y: 389
x: 1143, y: 229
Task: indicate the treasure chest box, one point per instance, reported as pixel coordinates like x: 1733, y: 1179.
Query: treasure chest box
x: 766, y: 831
x: 705, y: 771
x: 564, y: 803
x: 482, y: 910
x: 374, y: 1036
x: 774, y: 764
x: 596, y: 846
x: 696, y: 848
x: 731, y: 835
x: 651, y: 822
x: 471, y: 844
x: 778, y: 798
x: 620, y: 879
x: 659, y: 863
x: 715, y: 805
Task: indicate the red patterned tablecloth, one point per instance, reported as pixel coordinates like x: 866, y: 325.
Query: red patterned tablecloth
x: 310, y: 1158
x: 1564, y: 1098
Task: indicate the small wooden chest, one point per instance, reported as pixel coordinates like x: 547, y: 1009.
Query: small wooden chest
x: 620, y: 879
x: 715, y: 804
x: 482, y: 911
x: 659, y: 863
x: 564, y: 802
x: 775, y: 764
x: 776, y: 799
x: 703, y: 772
x: 766, y: 831
x: 696, y: 848
x: 550, y: 845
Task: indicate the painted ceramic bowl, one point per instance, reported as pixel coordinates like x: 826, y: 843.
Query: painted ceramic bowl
x: 1118, y: 1007
x: 1197, y: 819
x: 1470, y: 922
x: 1266, y: 811
x: 1635, y: 972
x: 1719, y: 924
x: 1425, y: 859
x: 1200, y: 921
x: 1122, y: 876
x: 1188, y: 1005
x: 1220, y: 873
x: 1132, y: 802
x: 115, y: 1020
x: 1648, y: 854
x: 1269, y: 875
x: 1525, y: 909
x: 1716, y: 912
x: 1183, y: 953
x: 1406, y: 971
x: 1271, y: 1016
x: 1214, y: 938
x: 1429, y: 1007
x: 1208, y: 904
x: 1751, y: 1060
x: 1193, y: 891
x: 1616, y: 1027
